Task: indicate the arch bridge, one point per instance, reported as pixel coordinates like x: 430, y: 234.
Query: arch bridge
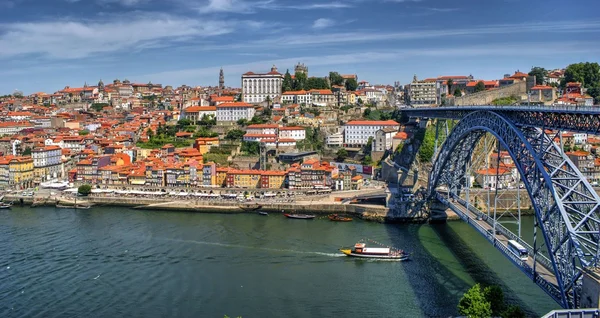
x: 566, y: 229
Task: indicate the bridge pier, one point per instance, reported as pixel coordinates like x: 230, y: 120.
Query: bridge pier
x: 590, y: 288
x: 437, y: 212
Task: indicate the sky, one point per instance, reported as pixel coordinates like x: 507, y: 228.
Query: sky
x: 46, y: 45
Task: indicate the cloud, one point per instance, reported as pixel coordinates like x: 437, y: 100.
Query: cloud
x: 75, y: 39
x: 246, y: 6
x: 127, y: 3
x: 322, y: 23
x: 306, y: 40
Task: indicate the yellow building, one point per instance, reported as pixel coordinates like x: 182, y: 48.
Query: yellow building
x: 351, y: 98
x: 204, y: 144
x: 272, y: 179
x: 221, y: 176
x: 249, y: 179
x: 20, y: 172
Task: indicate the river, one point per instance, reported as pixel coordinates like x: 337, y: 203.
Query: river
x: 118, y: 262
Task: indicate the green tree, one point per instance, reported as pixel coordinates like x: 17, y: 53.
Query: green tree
x: 267, y: 112
x: 84, y: 132
x: 367, y: 160
x: 341, y: 155
x: 207, y: 121
x: 495, y: 296
x: 427, y: 138
x: 84, y: 189
x: 540, y: 74
x: 513, y: 312
x: 288, y: 83
x: 149, y: 133
x: 450, y: 82
x: 480, y: 86
x: 474, y: 304
x: 27, y: 151
x: 250, y: 147
x: 300, y: 81
x: 316, y: 83
x: 98, y: 106
x: 235, y: 134
x: 351, y: 84
x: 335, y: 78
x: 242, y: 122
x: 457, y: 92
x: 182, y: 123
x: 359, y: 101
x: 588, y: 74
x: 367, y: 113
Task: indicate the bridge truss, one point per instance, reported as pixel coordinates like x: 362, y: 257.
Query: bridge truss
x: 567, y: 209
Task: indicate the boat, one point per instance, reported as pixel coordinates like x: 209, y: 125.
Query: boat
x: 263, y: 213
x: 362, y: 251
x: 299, y: 216
x: 61, y: 206
x: 5, y: 205
x: 339, y: 218
x: 84, y: 207
x: 77, y: 206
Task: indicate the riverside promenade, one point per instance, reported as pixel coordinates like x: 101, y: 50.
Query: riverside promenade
x: 315, y: 204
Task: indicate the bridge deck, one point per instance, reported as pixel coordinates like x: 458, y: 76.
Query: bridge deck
x: 542, y: 274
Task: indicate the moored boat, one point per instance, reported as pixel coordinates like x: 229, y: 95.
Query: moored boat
x: 5, y: 205
x: 299, y: 216
x: 339, y: 218
x: 250, y: 207
x: 263, y: 213
x: 362, y: 251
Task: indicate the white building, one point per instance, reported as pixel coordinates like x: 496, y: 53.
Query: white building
x: 335, y: 140
x: 47, y: 162
x: 357, y: 132
x: 264, y: 129
x: 579, y: 138
x: 297, y: 97
x: 195, y: 113
x: 422, y: 93
x: 296, y: 133
x: 257, y: 87
x: 11, y: 127
x: 232, y: 112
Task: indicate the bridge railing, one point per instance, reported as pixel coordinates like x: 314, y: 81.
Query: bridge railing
x: 548, y: 287
x: 540, y: 258
x: 574, y: 313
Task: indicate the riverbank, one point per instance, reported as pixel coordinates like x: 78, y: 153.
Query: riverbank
x: 374, y: 213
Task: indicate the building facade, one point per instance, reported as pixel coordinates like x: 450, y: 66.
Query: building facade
x: 232, y: 112
x: 47, y: 162
x: 358, y: 132
x: 256, y: 87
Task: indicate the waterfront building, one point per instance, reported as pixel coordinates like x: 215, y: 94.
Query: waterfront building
x: 358, y: 132
x: 221, y: 176
x: 47, y: 163
x: 19, y: 171
x: 272, y: 179
x: 311, y: 174
x: 256, y: 87
x: 229, y: 113
x: 249, y: 179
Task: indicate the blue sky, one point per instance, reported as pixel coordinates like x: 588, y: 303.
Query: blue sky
x: 48, y: 44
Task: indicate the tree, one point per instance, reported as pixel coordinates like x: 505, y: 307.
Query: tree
x: 84, y: 132
x: 367, y: 113
x: 540, y: 74
x: 27, y: 151
x: 457, y: 92
x: 367, y: 160
x: 588, y: 74
x: 351, y: 84
x: 300, y: 82
x: 235, y: 134
x: 250, y: 147
x: 267, y: 112
x: 450, y: 82
x: 495, y: 296
x: 288, y: 83
x: 513, y: 312
x: 341, y: 155
x: 474, y: 304
x: 359, y: 101
x: 149, y: 133
x: 84, y: 189
x: 335, y: 78
x: 242, y: 122
x: 316, y: 83
x: 480, y: 86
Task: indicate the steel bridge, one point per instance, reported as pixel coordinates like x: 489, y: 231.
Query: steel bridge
x: 566, y: 207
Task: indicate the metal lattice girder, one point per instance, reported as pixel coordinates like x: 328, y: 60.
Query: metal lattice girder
x: 576, y: 119
x: 566, y: 206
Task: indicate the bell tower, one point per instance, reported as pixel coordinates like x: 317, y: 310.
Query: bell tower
x: 221, y: 79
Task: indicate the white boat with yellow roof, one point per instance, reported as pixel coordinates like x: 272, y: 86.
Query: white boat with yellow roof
x: 361, y: 250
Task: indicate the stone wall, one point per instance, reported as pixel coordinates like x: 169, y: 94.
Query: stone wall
x: 486, y: 97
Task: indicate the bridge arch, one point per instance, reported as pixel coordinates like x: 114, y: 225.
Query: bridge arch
x: 566, y: 207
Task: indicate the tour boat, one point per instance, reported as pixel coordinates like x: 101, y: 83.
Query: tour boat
x: 250, y: 207
x: 361, y: 250
x: 300, y: 216
x: 339, y: 218
x: 5, y: 205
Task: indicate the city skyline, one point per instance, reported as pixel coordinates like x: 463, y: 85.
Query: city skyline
x: 187, y: 42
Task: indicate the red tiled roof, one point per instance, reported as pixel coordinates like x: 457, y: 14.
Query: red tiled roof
x: 372, y: 123
x: 236, y: 104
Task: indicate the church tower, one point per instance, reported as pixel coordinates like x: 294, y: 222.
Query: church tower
x: 221, y: 79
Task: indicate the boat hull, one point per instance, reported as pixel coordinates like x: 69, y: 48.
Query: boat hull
x: 299, y: 216
x: 401, y: 257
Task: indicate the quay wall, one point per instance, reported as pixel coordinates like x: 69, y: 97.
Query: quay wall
x: 486, y: 97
